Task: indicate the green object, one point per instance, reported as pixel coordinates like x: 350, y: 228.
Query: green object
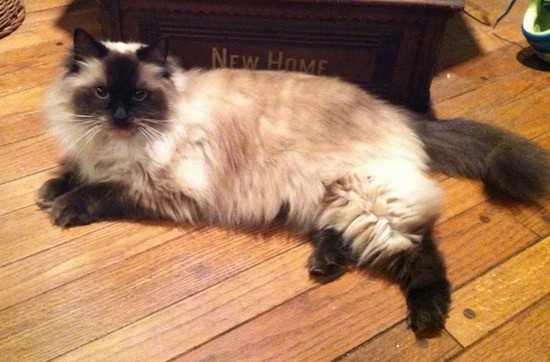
x: 536, y: 27
x: 539, y: 16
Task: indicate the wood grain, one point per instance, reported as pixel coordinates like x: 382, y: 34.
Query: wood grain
x: 22, y: 126
x: 516, y: 116
x: 79, y: 257
x: 468, y: 76
x: 536, y: 216
x: 22, y: 192
x: 272, y: 337
x: 320, y: 324
x: 28, y: 231
x: 205, y: 315
x: 28, y: 157
x: 516, y: 291
x: 127, y: 291
x: 491, y: 96
x: 24, y: 101
x: 469, y: 241
x: 459, y: 195
x: 399, y: 344
x: 524, y: 338
x: 46, y: 52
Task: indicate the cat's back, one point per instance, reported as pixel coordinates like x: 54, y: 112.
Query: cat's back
x: 279, y: 109
x: 271, y: 84
x: 300, y: 102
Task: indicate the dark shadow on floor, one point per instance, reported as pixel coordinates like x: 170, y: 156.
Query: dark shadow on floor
x: 528, y: 58
x: 459, y: 44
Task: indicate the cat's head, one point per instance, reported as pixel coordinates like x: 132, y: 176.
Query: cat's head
x: 114, y: 90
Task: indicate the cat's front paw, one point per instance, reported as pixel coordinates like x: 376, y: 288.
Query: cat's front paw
x: 67, y: 211
x: 428, y: 309
x: 50, y: 191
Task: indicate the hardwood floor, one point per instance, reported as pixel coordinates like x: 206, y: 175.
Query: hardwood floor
x: 159, y: 291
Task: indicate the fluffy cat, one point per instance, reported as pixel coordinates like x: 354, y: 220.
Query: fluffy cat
x: 147, y: 139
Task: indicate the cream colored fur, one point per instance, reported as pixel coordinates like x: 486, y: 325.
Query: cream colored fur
x: 243, y: 145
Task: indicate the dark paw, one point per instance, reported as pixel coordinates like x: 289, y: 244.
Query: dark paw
x: 325, y: 267
x: 50, y: 191
x: 66, y: 211
x: 330, y: 258
x: 428, y: 309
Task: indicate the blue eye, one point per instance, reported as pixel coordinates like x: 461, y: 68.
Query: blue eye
x: 101, y: 93
x: 140, y: 95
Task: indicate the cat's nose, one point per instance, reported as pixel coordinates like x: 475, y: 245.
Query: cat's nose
x: 121, y: 118
x: 120, y: 113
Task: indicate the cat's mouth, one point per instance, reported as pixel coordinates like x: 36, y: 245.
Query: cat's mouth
x: 122, y: 130
x: 122, y: 127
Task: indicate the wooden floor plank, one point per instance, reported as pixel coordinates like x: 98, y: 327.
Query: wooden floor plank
x: 524, y: 338
x: 47, y: 52
x: 342, y: 314
x: 79, y: 257
x: 516, y: 116
x: 29, y: 231
x: 201, y: 317
x: 76, y: 313
x: 28, y: 157
x: 42, y: 25
x: 467, y: 76
x: 536, y: 217
x: 399, y: 344
x: 459, y: 195
x: 475, y: 311
x: 21, y: 126
x: 488, y: 97
x: 24, y: 101
x: 478, y: 239
x: 468, y: 245
x: 23, y: 192
x: 37, y: 6
x: 40, y: 75
x: 489, y: 11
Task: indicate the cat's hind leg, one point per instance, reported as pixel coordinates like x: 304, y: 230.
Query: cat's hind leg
x: 421, y: 274
x: 384, y: 217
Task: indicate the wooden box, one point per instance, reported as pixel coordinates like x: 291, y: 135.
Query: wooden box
x: 389, y: 47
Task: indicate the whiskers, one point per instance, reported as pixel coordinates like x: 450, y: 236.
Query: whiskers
x: 78, y: 118
x: 153, y: 121
x: 77, y: 131
x: 147, y: 129
x: 79, y: 144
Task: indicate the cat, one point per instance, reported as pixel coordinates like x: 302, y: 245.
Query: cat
x: 146, y: 139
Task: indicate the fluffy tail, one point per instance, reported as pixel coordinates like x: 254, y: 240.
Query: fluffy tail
x: 507, y: 164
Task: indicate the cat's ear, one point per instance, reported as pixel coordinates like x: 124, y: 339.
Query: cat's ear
x: 85, y: 46
x: 156, y: 52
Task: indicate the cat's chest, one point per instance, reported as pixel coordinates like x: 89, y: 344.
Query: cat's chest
x: 118, y: 170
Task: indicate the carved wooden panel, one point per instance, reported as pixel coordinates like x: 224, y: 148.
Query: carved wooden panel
x: 388, y: 47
